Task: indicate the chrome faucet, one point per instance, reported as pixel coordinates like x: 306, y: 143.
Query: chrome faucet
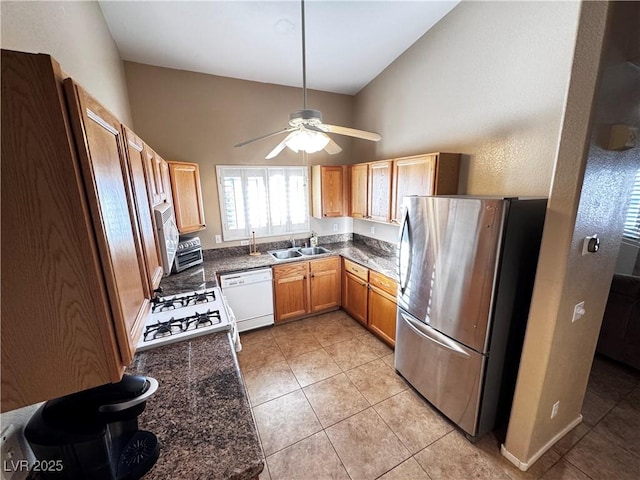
x: 293, y: 242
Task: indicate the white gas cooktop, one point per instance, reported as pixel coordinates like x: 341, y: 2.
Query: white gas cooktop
x: 183, y: 316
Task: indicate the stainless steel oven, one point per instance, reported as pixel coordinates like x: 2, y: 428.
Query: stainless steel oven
x: 188, y: 254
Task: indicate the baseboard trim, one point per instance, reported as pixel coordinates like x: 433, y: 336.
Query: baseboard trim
x: 524, y: 466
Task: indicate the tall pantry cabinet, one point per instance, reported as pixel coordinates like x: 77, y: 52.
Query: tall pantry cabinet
x: 75, y: 287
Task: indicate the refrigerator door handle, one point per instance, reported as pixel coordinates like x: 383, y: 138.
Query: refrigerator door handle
x: 405, y: 244
x: 430, y: 334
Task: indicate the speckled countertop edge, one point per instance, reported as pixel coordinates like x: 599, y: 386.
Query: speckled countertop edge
x: 200, y: 413
x: 204, y: 275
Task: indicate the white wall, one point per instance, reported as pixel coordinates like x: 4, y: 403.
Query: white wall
x: 77, y: 36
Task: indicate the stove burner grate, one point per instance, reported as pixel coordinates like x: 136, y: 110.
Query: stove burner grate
x: 178, y: 302
x: 198, y: 320
x: 163, y: 329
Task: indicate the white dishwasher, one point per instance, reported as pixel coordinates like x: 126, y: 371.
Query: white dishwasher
x: 250, y: 296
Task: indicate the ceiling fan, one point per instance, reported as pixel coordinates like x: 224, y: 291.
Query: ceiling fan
x: 306, y: 130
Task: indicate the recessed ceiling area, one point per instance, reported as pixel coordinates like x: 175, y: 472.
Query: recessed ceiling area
x: 348, y: 43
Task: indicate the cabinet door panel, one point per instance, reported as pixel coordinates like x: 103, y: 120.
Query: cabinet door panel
x: 163, y: 179
x: 355, y: 297
x: 291, y: 291
x: 382, y: 314
x: 412, y: 176
x: 152, y: 175
x: 332, y: 192
x: 359, y: 190
x: 63, y: 341
x: 187, y: 196
x: 137, y: 156
x: 104, y: 168
x: 325, y: 283
x: 380, y: 190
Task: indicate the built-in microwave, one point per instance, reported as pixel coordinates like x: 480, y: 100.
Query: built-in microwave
x: 167, y: 235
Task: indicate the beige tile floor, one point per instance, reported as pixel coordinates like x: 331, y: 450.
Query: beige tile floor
x: 329, y: 405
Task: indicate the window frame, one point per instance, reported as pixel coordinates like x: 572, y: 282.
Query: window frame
x: 631, y: 226
x: 266, y: 172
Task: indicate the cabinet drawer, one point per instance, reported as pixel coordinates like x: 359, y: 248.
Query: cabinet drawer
x: 383, y: 282
x: 290, y: 270
x: 324, y: 264
x: 357, y: 270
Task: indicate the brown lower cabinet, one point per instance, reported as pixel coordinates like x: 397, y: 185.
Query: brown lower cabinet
x: 369, y: 297
x: 382, y: 307
x: 354, y: 291
x: 306, y: 287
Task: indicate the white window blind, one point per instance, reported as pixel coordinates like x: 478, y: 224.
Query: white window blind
x: 265, y: 200
x: 632, y: 219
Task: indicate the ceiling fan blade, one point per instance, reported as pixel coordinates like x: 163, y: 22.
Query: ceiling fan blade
x: 352, y: 132
x: 288, y: 129
x: 332, y: 148
x: 279, y: 147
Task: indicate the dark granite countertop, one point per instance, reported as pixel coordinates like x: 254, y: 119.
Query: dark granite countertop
x: 200, y: 413
x: 378, y: 256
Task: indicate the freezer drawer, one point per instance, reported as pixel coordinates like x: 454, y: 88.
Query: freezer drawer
x: 445, y: 372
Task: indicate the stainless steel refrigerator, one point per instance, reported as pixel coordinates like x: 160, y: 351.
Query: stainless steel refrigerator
x: 466, y: 272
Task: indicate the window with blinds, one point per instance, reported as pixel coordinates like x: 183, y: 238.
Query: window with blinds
x: 632, y: 219
x: 266, y: 200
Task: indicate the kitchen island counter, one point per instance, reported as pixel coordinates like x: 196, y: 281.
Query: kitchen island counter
x: 201, y: 412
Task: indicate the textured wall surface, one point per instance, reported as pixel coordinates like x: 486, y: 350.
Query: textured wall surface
x: 194, y: 117
x: 488, y: 81
x: 75, y: 34
x: 590, y: 189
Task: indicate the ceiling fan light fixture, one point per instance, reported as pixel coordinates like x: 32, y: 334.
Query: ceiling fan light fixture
x: 307, y: 141
x: 306, y: 131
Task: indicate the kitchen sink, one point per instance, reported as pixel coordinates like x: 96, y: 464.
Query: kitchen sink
x: 314, y: 251
x: 297, y: 252
x: 285, y: 254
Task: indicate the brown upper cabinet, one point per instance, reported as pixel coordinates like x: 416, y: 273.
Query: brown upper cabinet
x: 187, y: 196
x: 164, y: 177
x: 157, y: 176
x: 328, y: 191
x: 359, y: 200
x: 380, y: 190
x: 137, y: 157
x: 69, y: 227
x: 377, y: 188
x: 430, y: 174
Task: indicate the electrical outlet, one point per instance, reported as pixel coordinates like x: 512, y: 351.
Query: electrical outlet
x: 373, y: 230
x: 218, y: 238
x: 244, y: 242
x: 554, y: 409
x: 335, y: 227
x: 578, y: 312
